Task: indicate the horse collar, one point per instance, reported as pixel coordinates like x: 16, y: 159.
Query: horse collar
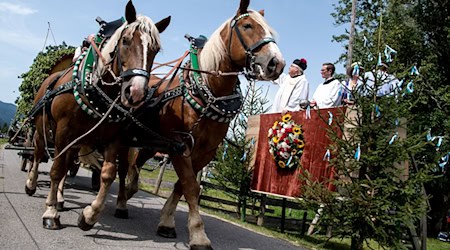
x: 200, y: 97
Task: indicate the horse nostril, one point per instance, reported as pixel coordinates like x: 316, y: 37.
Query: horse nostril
x: 272, y: 65
x: 127, y: 94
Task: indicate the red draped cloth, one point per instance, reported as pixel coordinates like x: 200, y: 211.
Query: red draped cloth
x: 268, y: 178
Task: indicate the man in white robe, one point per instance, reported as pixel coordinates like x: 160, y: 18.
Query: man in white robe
x: 327, y: 94
x: 294, y: 88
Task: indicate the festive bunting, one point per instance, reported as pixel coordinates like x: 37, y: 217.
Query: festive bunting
x: 410, y: 87
x: 356, y: 69
x: 330, y: 118
x: 366, y: 41
x: 377, y: 111
x: 414, y: 70
x: 358, y: 152
x: 388, y: 52
x: 444, y: 162
x: 308, y: 113
x: 429, y: 135
x: 394, y: 137
x: 225, y: 147
x: 244, y: 157
x: 327, y: 155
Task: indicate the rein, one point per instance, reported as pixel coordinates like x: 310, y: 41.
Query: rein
x: 249, y: 50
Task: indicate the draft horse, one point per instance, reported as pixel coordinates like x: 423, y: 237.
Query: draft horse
x: 202, y: 104
x: 79, y: 107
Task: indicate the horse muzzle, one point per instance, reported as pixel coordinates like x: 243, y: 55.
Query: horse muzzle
x: 269, y: 68
x: 134, y: 92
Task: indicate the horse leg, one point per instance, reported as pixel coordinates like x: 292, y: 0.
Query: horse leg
x: 33, y: 171
x: 166, y: 226
x: 91, y: 213
x: 137, y: 160
x: 60, y: 194
x: 121, y: 205
x: 191, y: 191
x: 58, y: 171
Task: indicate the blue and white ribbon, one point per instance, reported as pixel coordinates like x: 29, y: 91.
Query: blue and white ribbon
x: 330, y: 118
x: 289, y: 161
x: 308, y: 113
x: 380, y: 62
x: 415, y: 71
x: 429, y: 138
x: 440, y: 140
x: 244, y: 157
x: 369, y: 57
x: 444, y: 162
x: 327, y: 155
x: 377, y: 111
x: 358, y: 152
x: 394, y: 137
x: 388, y: 52
x: 366, y: 41
x: 396, y: 122
x: 410, y: 87
x: 356, y: 70
x: 225, y: 147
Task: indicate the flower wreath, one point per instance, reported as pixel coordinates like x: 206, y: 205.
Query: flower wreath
x: 286, y: 142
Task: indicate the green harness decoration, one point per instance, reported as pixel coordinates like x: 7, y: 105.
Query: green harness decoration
x: 222, y: 109
x: 82, y: 76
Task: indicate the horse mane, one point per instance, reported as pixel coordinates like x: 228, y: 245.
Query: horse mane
x: 215, y: 50
x: 145, y: 25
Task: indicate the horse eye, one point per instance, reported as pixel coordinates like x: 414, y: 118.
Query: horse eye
x: 126, y: 41
x: 247, y: 26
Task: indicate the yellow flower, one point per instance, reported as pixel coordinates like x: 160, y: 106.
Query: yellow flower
x: 281, y: 164
x: 300, y: 144
x: 286, y: 117
x: 275, y: 124
x: 297, y: 130
x: 276, y: 139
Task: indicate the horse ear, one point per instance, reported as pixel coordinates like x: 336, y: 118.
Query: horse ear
x: 243, y: 6
x: 162, y: 25
x: 130, y: 12
x: 261, y: 12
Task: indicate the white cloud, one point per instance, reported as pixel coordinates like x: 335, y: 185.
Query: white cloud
x: 21, y: 39
x: 16, y: 9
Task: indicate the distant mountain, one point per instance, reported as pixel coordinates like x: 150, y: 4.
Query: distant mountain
x: 7, y: 112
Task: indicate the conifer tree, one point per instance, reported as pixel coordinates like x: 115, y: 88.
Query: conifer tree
x: 419, y: 31
x: 232, y: 168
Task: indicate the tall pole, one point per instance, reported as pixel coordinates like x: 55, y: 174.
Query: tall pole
x: 352, y: 34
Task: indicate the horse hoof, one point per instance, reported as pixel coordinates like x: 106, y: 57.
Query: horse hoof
x: 196, y: 247
x: 60, y: 206
x: 52, y: 224
x: 82, y: 224
x: 30, y: 192
x: 167, y: 232
x: 121, y: 213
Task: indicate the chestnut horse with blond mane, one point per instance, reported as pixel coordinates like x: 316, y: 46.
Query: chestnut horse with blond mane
x: 202, y: 104
x: 76, y: 108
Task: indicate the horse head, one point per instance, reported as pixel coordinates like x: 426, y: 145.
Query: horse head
x: 250, y: 43
x: 130, y: 53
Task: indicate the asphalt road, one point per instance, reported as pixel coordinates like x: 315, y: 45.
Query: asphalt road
x: 21, y: 223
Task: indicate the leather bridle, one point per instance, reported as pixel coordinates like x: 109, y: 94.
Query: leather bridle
x: 249, y: 50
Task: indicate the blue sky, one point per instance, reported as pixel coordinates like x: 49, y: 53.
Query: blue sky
x: 304, y: 27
